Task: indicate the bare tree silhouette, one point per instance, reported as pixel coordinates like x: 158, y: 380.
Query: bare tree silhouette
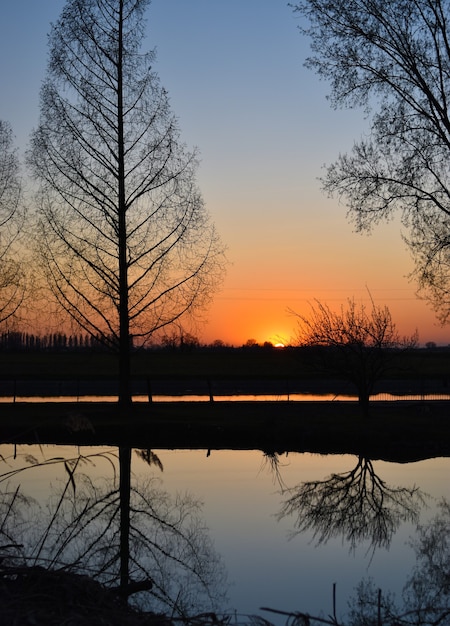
x: 392, y: 59
x: 12, y: 275
x: 124, y: 240
x: 358, y: 343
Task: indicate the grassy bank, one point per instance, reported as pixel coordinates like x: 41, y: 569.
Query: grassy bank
x: 394, y: 431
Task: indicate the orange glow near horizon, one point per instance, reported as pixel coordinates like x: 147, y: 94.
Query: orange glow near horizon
x: 269, y: 316
x: 235, y: 319
x: 238, y: 315
x: 272, y: 279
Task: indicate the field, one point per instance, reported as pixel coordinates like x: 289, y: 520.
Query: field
x: 220, y: 363
x: 215, y: 372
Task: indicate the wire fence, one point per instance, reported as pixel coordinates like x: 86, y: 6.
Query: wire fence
x: 158, y: 388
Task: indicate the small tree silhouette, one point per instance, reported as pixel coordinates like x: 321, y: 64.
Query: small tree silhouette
x: 357, y: 343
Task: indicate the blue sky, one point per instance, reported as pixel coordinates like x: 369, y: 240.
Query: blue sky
x: 234, y: 72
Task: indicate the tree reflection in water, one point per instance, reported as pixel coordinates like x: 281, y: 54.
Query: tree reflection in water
x: 357, y: 505
x: 125, y: 532
x: 425, y: 597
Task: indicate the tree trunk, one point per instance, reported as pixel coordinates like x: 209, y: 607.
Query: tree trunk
x: 125, y: 493
x: 124, y: 322
x: 364, y: 391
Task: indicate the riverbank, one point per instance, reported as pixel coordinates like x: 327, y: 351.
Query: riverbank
x: 395, y: 431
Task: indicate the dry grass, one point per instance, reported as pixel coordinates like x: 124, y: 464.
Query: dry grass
x: 35, y: 595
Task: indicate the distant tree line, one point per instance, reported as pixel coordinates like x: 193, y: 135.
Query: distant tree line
x: 30, y: 342
x: 15, y: 340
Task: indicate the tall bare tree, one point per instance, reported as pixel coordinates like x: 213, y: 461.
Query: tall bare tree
x: 393, y: 59
x: 125, y: 241
x: 12, y: 284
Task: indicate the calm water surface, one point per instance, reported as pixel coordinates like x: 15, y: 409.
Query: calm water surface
x: 293, y: 397
x: 242, y: 496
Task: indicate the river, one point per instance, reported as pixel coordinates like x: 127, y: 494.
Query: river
x: 242, y: 494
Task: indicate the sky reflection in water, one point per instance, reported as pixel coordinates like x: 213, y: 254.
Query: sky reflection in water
x: 242, y: 498
x: 293, y: 397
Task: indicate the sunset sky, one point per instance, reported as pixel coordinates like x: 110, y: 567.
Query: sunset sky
x: 234, y: 72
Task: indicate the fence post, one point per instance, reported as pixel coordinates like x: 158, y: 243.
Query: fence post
x: 149, y: 390
x: 211, y: 396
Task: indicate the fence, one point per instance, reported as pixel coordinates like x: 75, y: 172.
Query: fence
x: 165, y: 388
